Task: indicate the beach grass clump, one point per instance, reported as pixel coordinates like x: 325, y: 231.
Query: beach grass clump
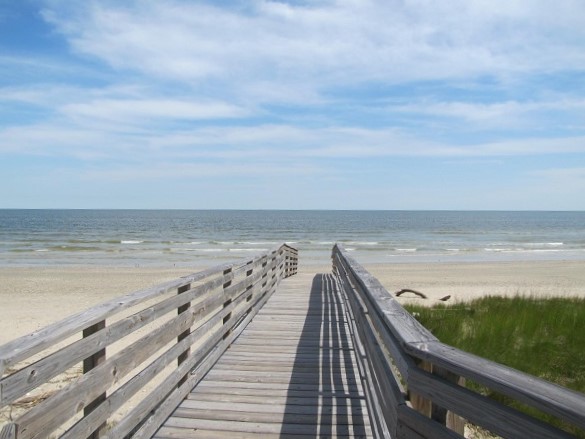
x: 544, y: 337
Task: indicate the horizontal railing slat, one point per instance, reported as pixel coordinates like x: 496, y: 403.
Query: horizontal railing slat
x: 171, y: 402
x: 409, y: 343
x: 19, y: 383
x: 543, y: 395
x: 496, y: 417
x: 214, y: 305
x: 412, y: 421
x: 397, y: 320
x: 35, y: 342
x: 120, y: 396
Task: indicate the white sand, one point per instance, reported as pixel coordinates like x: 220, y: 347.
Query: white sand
x: 31, y: 298
x: 467, y: 281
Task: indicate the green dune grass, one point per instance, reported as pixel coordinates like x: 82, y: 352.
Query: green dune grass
x: 542, y: 337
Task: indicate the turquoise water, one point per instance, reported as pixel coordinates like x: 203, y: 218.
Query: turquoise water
x: 167, y: 238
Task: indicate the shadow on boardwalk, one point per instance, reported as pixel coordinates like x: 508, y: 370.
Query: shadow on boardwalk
x: 325, y: 390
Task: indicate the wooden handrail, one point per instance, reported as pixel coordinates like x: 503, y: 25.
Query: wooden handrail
x: 188, y: 322
x: 415, y: 383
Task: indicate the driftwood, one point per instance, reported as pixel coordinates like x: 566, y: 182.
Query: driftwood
x: 408, y: 290
x: 421, y: 295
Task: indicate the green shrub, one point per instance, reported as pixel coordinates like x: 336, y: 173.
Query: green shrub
x: 542, y: 337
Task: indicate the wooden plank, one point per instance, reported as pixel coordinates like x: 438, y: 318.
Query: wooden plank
x: 318, y: 430
x: 120, y: 396
x: 91, y: 363
x: 329, y: 405
x: 8, y: 431
x: 19, y: 383
x: 52, y: 412
x: 322, y: 387
x: 548, y: 397
x: 314, y: 376
x: 405, y: 327
x: 310, y: 398
x: 414, y: 425
x: 198, y: 433
x: 30, y: 344
x: 49, y: 414
x: 257, y: 413
x: 74, y: 396
x: 172, y: 400
x: 480, y: 410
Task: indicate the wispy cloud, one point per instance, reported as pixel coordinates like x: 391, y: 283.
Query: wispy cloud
x: 145, y: 110
x: 328, y: 42
x: 150, y: 90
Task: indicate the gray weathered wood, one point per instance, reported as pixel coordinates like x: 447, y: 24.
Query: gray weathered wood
x: 408, y: 342
x: 26, y: 379
x: 91, y: 363
x: 28, y: 345
x: 482, y: 411
x: 546, y: 396
x: 202, y: 306
x: 8, y: 431
x: 259, y: 385
x: 172, y: 401
x: 413, y: 424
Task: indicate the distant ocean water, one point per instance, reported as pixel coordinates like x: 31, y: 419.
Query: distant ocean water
x: 166, y: 238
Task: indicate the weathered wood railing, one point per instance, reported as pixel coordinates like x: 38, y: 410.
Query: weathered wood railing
x: 401, y: 359
x: 168, y: 337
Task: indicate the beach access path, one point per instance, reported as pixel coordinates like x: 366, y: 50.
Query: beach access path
x: 291, y: 372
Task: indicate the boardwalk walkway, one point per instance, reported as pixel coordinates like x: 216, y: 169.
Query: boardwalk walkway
x: 292, y: 373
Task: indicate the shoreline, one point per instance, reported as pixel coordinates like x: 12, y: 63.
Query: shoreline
x: 33, y: 297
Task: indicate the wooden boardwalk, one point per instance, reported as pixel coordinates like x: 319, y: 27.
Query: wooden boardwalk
x: 244, y: 350
x: 291, y: 373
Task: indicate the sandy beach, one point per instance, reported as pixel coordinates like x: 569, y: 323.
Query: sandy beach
x: 32, y: 298
x: 35, y: 297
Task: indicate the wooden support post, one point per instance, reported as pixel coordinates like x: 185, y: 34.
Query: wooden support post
x: 8, y: 431
x: 430, y: 409
x: 447, y: 418
x: 226, y: 303
x: 420, y: 404
x: 184, y: 355
x: 90, y: 363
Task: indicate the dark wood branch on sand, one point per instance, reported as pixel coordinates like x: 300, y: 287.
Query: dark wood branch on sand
x: 408, y: 290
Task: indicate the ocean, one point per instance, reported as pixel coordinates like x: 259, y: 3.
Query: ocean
x: 195, y: 238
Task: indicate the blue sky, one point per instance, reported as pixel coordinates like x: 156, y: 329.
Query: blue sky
x: 355, y: 104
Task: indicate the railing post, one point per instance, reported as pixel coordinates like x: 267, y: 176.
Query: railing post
x: 90, y: 363
x: 437, y: 413
x: 442, y: 415
x: 227, y: 303
x: 8, y: 431
x: 184, y: 355
x: 420, y: 404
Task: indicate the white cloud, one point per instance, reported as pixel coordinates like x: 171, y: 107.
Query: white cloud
x: 247, y: 144
x: 506, y: 114
x: 160, y: 89
x: 562, y: 174
x: 330, y: 42
x: 143, y: 110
